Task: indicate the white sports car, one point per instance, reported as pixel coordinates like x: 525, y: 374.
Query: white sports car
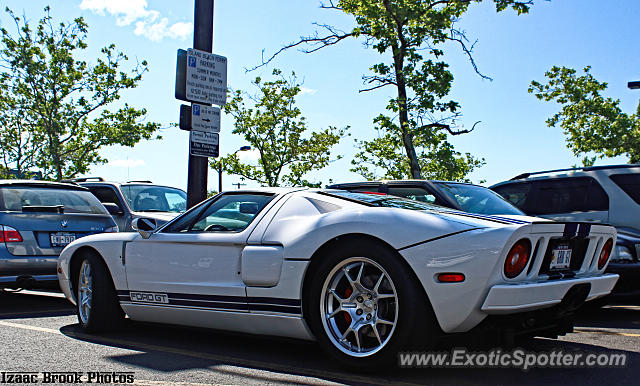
x: 366, y: 275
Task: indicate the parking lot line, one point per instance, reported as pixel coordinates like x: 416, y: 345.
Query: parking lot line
x: 28, y: 327
x: 607, y: 332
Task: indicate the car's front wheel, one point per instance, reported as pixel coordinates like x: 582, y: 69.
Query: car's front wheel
x: 97, y: 305
x: 366, y: 306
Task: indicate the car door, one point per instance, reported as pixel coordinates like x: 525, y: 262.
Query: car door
x: 195, y: 260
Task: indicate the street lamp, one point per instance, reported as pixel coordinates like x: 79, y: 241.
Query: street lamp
x: 634, y: 85
x: 243, y: 148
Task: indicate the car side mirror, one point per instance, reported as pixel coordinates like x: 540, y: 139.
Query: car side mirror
x: 112, y: 208
x: 144, y: 226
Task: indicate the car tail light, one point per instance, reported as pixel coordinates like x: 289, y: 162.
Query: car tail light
x: 450, y: 277
x: 111, y: 229
x: 9, y: 235
x: 517, y: 258
x: 605, y: 253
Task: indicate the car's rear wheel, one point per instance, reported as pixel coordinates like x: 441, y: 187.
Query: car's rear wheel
x: 366, y: 306
x: 97, y: 304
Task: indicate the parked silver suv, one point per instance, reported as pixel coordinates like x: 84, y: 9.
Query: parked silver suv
x: 600, y: 194
x: 126, y: 201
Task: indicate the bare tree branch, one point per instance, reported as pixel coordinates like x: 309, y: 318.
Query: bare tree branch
x: 448, y: 128
x: 330, y: 5
x: 461, y: 38
x: 315, y: 42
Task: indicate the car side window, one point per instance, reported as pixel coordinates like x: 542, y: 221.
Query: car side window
x: 229, y: 213
x: 630, y: 183
x: 413, y: 193
x: 106, y: 195
x: 517, y: 193
x: 566, y: 195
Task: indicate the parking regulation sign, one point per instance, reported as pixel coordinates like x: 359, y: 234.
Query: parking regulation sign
x: 205, y: 118
x: 204, y: 144
x: 206, y: 80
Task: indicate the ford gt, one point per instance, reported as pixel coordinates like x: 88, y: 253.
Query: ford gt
x: 367, y: 276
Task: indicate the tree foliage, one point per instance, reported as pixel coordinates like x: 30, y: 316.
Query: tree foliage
x: 411, y: 35
x: 273, y: 125
x: 593, y: 124
x: 54, y: 106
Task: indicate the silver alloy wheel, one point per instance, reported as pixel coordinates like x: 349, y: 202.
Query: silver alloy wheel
x: 359, y: 307
x: 85, y: 283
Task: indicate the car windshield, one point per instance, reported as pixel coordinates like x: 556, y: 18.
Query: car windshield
x: 153, y: 198
x: 43, y: 199
x: 382, y: 200
x: 478, y: 199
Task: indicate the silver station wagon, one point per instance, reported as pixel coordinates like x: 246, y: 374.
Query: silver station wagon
x: 37, y: 220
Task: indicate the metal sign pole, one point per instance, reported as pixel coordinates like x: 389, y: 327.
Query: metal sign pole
x: 202, y: 40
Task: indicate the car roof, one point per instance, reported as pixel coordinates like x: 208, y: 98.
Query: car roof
x: 116, y: 183
x: 43, y: 184
x: 266, y: 189
x: 394, y: 181
x: 571, y: 171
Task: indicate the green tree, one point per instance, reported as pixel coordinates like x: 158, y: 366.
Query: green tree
x: 64, y: 100
x: 17, y: 145
x: 592, y: 123
x: 411, y: 34
x: 275, y: 127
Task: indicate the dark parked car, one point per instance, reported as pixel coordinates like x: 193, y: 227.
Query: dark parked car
x: 127, y: 201
x: 457, y: 195
x: 599, y: 194
x: 38, y: 219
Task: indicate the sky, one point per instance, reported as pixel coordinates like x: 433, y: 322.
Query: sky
x: 513, y: 50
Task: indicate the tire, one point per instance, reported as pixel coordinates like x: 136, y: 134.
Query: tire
x: 365, y: 288
x: 97, y: 303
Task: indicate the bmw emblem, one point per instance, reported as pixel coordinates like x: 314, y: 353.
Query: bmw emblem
x: 63, y: 223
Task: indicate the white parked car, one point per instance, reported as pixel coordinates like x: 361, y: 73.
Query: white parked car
x: 366, y: 275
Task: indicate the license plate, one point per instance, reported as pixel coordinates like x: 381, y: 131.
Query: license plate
x: 561, y: 257
x: 61, y: 239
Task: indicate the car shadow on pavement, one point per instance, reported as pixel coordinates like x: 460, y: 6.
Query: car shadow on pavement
x: 32, y: 304
x: 611, y: 316
x: 172, y: 349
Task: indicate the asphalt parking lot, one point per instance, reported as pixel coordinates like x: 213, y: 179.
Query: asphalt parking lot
x: 39, y: 334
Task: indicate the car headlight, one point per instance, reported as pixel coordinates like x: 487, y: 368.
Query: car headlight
x: 623, y: 254
x: 113, y: 229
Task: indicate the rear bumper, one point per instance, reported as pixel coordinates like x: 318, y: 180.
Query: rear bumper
x: 24, y: 272
x: 514, y: 298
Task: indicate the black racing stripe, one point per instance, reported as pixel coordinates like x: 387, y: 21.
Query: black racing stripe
x: 213, y: 298
x: 281, y: 301
x: 583, y: 230
x: 223, y: 302
x: 197, y: 303
x: 498, y: 220
x: 273, y: 308
x: 262, y: 307
x: 438, y: 238
x: 570, y: 230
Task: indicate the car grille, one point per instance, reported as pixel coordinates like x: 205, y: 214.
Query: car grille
x: 578, y: 248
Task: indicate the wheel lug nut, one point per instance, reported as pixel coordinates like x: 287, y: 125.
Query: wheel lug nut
x: 359, y: 312
x: 370, y: 296
x: 368, y: 316
x: 359, y: 299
